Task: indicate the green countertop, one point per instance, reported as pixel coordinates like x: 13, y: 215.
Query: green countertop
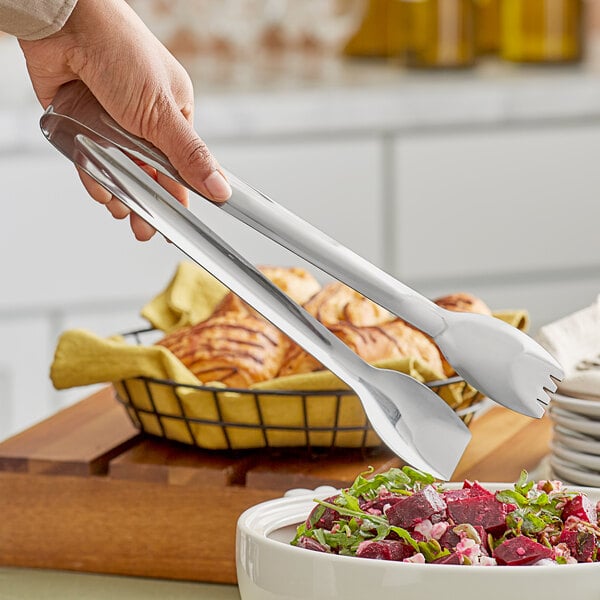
x: 36, y: 584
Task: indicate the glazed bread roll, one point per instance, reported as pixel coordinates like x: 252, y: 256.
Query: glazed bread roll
x: 337, y: 303
x: 233, y: 306
x: 296, y: 360
x: 235, y: 349
x: 297, y: 283
x: 463, y: 302
x: 394, y: 339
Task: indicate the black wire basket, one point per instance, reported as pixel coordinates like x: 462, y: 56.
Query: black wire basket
x: 223, y: 418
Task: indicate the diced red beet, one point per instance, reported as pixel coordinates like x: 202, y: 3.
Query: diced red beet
x: 450, y: 495
x: 418, y: 537
x: 425, y: 504
x: 479, y: 510
x: 385, y: 550
x: 450, y: 538
x: 326, y: 520
x: 451, y: 559
x: 469, y: 490
x: 521, y: 550
x: 581, y: 544
x: 311, y: 544
x: 478, y: 490
x: 384, y: 497
x: 581, y: 507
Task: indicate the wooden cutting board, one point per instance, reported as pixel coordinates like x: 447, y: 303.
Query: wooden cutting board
x: 85, y: 491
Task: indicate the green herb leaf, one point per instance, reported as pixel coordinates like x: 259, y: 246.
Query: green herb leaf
x: 532, y: 523
x: 512, y: 497
x: 405, y: 535
x: 522, y: 485
x: 319, y: 535
x: 300, y: 530
x: 432, y: 550
x: 418, y: 476
x: 349, y: 501
x: 315, y: 516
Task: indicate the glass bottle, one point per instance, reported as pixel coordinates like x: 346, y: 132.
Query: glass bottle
x: 542, y: 30
x: 440, y: 33
x: 381, y: 31
x: 487, y: 26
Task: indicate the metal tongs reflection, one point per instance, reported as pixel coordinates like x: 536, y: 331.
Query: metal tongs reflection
x: 410, y: 419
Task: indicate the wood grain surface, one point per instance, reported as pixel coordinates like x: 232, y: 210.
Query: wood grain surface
x: 79, y: 440
x: 84, y: 491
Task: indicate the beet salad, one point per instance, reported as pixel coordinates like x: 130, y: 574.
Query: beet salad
x: 406, y: 515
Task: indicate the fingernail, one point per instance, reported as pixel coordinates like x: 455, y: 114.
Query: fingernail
x: 217, y: 186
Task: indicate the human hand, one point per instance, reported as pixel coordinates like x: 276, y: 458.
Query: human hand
x: 139, y: 83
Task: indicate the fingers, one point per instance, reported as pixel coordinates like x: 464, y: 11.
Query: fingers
x: 94, y: 189
x: 176, y: 137
x: 175, y: 189
x: 116, y: 208
x: 142, y: 231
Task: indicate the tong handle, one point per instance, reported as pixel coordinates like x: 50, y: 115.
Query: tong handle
x: 260, y: 212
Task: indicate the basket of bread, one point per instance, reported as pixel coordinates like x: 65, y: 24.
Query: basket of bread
x: 212, y: 372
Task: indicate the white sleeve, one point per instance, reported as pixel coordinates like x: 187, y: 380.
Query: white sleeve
x: 34, y: 19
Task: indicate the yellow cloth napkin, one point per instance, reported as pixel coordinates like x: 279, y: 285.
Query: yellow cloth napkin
x: 190, y: 297
x: 82, y: 358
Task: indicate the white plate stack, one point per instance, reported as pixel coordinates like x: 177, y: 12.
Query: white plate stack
x: 575, y: 448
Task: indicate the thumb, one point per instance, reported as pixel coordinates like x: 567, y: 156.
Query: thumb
x: 176, y: 137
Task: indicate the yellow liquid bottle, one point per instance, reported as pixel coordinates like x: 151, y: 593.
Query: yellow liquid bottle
x: 487, y: 26
x: 381, y: 32
x: 544, y: 31
x: 440, y: 33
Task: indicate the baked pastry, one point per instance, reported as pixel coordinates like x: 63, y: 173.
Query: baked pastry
x: 394, y: 339
x: 234, y: 306
x: 235, y: 349
x: 297, y: 283
x: 297, y: 360
x: 337, y: 303
x: 463, y: 302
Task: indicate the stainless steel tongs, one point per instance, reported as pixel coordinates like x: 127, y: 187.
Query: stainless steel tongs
x: 413, y: 421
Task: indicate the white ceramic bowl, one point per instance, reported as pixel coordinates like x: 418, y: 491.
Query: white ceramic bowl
x: 268, y: 568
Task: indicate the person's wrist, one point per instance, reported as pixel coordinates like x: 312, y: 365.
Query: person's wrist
x: 88, y: 20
